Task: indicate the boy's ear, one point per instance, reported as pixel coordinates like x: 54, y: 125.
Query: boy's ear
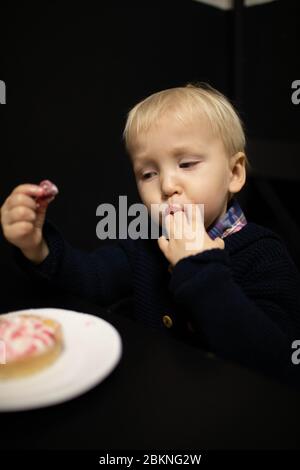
x: 238, y: 172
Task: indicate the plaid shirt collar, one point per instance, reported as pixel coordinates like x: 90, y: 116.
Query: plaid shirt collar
x: 231, y: 222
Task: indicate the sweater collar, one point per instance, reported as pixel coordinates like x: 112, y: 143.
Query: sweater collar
x: 231, y: 222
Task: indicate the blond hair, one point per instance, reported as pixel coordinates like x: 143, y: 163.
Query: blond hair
x: 188, y: 102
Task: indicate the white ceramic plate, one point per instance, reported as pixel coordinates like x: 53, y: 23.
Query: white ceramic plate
x: 92, y: 349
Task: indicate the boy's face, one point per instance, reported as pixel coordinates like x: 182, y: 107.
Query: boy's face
x: 178, y: 163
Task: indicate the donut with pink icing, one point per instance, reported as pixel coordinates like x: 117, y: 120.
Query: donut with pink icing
x: 30, y: 342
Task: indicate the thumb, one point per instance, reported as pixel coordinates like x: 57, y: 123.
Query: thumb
x: 220, y: 243
x: 41, y: 212
x: 163, y: 243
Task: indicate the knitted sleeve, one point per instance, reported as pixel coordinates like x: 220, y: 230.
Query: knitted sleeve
x: 251, y: 318
x: 103, y: 276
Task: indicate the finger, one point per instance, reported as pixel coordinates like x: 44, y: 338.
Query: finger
x: 220, y: 242
x: 190, y: 210
x: 179, y: 227
x: 197, y: 222
x: 191, y: 228
x: 20, y: 199
x: 17, y: 230
x: 19, y: 214
x: 168, y: 221
x: 32, y: 190
x: 163, y: 243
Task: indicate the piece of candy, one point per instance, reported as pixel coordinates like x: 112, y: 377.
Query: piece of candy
x: 49, y: 190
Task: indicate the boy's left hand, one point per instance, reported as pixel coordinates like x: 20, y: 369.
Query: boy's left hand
x: 180, y: 247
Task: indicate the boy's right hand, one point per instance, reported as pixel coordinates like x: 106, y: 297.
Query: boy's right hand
x: 22, y: 219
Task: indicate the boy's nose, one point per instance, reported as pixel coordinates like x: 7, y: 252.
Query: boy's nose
x: 169, y: 186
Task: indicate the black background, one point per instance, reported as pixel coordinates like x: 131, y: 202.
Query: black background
x: 72, y: 73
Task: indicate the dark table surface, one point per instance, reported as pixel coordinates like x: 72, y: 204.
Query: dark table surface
x: 163, y: 394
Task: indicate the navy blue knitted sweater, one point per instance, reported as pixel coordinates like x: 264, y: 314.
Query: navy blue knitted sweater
x: 242, y: 303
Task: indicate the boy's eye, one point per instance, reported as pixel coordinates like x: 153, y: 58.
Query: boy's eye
x: 188, y: 164
x: 146, y: 176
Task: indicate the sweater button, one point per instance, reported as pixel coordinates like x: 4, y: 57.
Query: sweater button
x: 167, y: 321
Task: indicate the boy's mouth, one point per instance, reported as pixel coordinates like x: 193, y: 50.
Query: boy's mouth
x: 173, y: 208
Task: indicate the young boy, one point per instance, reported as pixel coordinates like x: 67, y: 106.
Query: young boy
x: 235, y: 294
